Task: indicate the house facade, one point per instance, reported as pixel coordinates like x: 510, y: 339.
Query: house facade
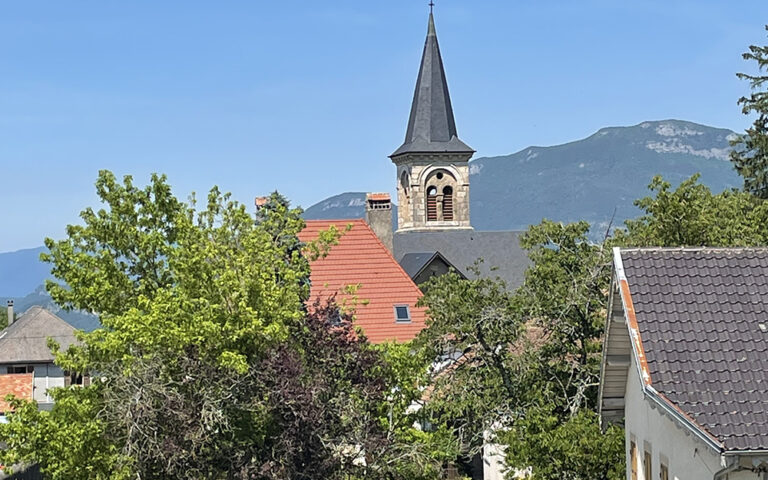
x: 24, y: 352
x: 685, y: 362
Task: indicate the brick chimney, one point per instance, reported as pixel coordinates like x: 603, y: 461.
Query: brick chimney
x: 378, y: 214
x: 10, y: 312
x: 260, y: 202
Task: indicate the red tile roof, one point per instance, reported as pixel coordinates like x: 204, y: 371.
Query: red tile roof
x: 360, y: 258
x: 19, y: 384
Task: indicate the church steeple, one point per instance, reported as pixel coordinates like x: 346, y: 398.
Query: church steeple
x: 432, y: 163
x: 431, y: 126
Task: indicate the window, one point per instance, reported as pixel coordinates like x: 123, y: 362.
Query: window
x: 647, y: 465
x: 447, y: 203
x: 432, y: 204
x: 633, y: 460
x: 72, y: 378
x: 402, y: 314
x: 664, y: 472
x: 21, y: 369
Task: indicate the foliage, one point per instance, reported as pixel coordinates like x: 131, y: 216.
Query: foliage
x: 209, y: 364
x: 472, y: 325
x: 4, y: 317
x: 750, y: 157
x: 564, y: 295
x: 691, y: 215
x: 570, y: 449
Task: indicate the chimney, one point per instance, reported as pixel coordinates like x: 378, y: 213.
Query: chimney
x: 260, y: 202
x: 378, y: 214
x: 10, y: 312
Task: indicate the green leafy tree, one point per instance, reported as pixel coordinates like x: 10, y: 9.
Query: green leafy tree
x: 750, y: 157
x: 472, y: 328
x: 570, y: 449
x: 4, y: 317
x: 691, y: 215
x: 209, y: 364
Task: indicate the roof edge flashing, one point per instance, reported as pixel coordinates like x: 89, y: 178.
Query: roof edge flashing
x: 674, y: 412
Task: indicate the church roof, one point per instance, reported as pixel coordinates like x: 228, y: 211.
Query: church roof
x: 415, y: 263
x: 431, y: 126
x: 500, y: 252
x: 26, y: 339
x: 361, y: 259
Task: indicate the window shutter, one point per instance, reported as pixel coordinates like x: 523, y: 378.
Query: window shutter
x: 432, y: 207
x: 448, y: 203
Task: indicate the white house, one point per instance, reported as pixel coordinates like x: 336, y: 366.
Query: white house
x: 685, y: 362
x: 24, y: 350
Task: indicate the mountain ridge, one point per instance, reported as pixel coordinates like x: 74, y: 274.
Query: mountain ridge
x: 596, y: 178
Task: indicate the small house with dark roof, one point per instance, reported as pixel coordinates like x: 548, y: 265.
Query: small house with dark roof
x: 425, y: 265
x: 360, y: 272
x: 24, y: 351
x: 685, y: 361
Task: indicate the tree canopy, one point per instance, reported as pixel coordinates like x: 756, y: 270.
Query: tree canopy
x: 209, y: 363
x: 750, y: 157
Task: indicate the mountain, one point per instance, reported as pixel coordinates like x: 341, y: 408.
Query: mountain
x: 588, y: 179
x: 78, y: 319
x: 343, y: 205
x: 22, y: 271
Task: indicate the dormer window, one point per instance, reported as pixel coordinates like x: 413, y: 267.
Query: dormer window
x: 402, y: 314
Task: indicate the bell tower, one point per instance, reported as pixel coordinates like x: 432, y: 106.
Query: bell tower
x: 432, y: 163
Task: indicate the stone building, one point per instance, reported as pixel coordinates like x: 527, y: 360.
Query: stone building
x: 433, y: 187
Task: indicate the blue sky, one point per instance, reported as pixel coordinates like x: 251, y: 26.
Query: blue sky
x: 310, y: 97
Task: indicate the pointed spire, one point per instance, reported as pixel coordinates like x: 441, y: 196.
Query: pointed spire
x: 431, y: 126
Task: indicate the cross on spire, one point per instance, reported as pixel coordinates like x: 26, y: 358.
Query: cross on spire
x: 431, y: 5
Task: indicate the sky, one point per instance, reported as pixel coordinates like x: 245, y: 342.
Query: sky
x: 309, y: 98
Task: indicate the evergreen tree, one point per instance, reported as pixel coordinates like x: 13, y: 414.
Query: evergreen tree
x: 750, y: 155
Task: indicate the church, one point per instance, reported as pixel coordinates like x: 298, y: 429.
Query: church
x: 434, y: 229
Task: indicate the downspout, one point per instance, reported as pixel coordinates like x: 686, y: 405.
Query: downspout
x: 723, y: 472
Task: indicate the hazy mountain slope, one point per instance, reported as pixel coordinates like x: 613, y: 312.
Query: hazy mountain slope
x: 80, y: 320
x: 21, y: 271
x: 344, y: 205
x: 590, y: 178
x: 586, y: 179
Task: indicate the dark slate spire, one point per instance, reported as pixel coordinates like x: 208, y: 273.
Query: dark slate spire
x: 431, y: 127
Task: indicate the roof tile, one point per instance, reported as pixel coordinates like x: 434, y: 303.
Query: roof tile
x: 360, y: 258
x: 709, y: 302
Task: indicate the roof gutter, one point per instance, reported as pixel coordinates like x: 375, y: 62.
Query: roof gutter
x: 675, y: 413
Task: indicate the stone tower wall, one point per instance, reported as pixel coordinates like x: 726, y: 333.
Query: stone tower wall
x: 420, y: 170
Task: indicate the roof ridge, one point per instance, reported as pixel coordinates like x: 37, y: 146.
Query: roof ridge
x: 690, y: 249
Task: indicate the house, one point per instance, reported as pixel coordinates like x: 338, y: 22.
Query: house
x: 24, y: 351
x: 361, y: 272
x: 685, y: 362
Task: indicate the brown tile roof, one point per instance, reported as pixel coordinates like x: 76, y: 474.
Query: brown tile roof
x: 18, y: 384
x: 360, y: 258
x: 702, y: 315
